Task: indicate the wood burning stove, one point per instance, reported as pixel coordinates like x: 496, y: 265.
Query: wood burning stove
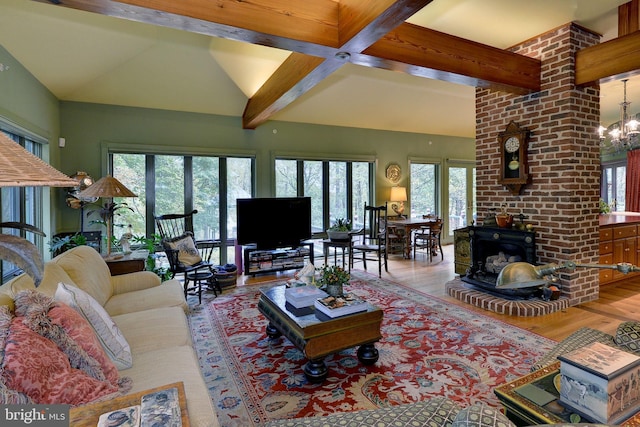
x: 492, y: 248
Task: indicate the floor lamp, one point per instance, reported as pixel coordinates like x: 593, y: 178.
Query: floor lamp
x: 20, y: 168
x: 107, y: 188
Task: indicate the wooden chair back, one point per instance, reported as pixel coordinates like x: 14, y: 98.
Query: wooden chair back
x: 174, y: 225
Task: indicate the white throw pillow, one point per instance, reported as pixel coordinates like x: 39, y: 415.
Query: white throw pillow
x: 108, y: 333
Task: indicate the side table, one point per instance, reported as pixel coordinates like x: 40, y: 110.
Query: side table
x: 541, y: 405
x: 123, y: 264
x: 344, y: 245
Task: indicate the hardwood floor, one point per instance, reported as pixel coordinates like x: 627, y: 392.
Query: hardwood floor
x: 618, y: 302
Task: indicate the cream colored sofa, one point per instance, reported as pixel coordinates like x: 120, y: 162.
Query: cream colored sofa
x: 150, y: 314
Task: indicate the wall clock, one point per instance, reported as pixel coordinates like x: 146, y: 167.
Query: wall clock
x: 514, y: 165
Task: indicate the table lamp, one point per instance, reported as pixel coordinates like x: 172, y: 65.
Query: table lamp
x: 398, y: 194
x: 107, y: 188
x: 20, y: 168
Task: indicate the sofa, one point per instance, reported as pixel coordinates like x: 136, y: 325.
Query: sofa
x: 149, y: 315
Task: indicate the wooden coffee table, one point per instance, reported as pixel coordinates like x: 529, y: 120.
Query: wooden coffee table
x: 525, y: 411
x: 318, y: 336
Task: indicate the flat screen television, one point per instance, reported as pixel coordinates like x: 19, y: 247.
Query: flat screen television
x: 272, y: 223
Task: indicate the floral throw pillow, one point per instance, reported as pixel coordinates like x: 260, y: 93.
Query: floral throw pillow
x: 107, y: 332
x: 35, y: 366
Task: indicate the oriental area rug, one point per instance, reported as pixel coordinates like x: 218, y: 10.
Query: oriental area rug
x: 428, y: 348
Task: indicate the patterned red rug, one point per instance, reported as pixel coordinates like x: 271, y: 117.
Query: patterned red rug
x: 429, y: 348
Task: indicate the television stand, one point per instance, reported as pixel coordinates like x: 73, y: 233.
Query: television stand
x: 258, y: 261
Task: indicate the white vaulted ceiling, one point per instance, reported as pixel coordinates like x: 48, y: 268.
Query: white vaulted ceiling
x: 86, y: 57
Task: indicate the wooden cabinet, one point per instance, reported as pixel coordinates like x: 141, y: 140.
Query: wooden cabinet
x: 618, y: 243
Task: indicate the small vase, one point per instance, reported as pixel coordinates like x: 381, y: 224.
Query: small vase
x: 334, y: 289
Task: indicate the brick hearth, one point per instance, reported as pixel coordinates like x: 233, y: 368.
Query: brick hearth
x: 534, y: 307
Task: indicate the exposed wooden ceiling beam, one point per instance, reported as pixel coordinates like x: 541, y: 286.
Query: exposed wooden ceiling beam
x: 614, y: 59
x: 361, y: 24
x: 428, y: 53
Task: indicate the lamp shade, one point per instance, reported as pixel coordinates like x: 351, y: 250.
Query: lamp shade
x: 20, y: 168
x: 398, y: 194
x: 107, y: 186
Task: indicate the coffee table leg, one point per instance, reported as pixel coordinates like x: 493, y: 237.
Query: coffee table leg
x: 316, y: 371
x: 272, y: 332
x: 368, y: 354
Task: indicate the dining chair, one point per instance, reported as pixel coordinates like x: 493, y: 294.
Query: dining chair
x: 371, y: 240
x: 429, y: 238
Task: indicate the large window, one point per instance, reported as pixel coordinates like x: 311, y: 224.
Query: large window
x: 613, y: 184
x: 177, y: 184
x: 424, y: 189
x: 338, y: 189
x: 21, y: 204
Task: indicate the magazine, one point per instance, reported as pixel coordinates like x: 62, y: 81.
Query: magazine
x: 341, y: 306
x: 157, y: 408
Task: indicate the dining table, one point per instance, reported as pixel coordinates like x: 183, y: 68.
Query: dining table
x: 408, y: 225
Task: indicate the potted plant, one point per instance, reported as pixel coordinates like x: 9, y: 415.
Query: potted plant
x: 332, y: 278
x: 339, y: 230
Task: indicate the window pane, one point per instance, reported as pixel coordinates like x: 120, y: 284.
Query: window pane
x: 206, y: 198
x: 239, y: 187
x: 457, y: 198
x: 286, y: 178
x: 361, y: 191
x: 169, y: 185
x: 313, y: 189
x: 129, y: 169
x: 337, y: 191
x: 621, y: 181
x: 423, y: 189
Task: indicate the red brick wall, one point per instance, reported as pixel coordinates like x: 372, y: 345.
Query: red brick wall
x: 564, y: 162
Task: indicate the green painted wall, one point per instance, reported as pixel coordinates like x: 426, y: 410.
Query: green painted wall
x: 90, y: 128
x: 27, y: 107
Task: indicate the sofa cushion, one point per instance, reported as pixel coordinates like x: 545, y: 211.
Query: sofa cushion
x: 88, y: 271
x: 628, y: 336
x: 187, y: 252
x: 438, y: 411
x: 111, y: 339
x: 6, y: 300
x: 174, y: 364
x: 481, y: 415
x: 154, y: 329
x: 53, y: 274
x: 169, y: 294
x: 35, y: 366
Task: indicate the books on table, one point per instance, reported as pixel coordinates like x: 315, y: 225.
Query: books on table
x: 303, y: 296
x: 340, y: 306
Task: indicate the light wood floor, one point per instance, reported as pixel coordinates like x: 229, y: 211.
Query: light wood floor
x: 618, y: 302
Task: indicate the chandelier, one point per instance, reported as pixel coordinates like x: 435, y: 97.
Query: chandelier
x: 622, y: 135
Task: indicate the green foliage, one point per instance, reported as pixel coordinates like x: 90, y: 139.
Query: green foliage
x: 60, y: 244
x: 152, y: 244
x: 341, y: 224
x: 604, y: 207
x: 333, y: 274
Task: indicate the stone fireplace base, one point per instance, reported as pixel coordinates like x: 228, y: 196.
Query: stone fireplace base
x: 459, y: 290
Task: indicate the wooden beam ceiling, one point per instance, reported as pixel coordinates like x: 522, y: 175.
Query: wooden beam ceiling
x: 615, y: 58
x: 373, y: 33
